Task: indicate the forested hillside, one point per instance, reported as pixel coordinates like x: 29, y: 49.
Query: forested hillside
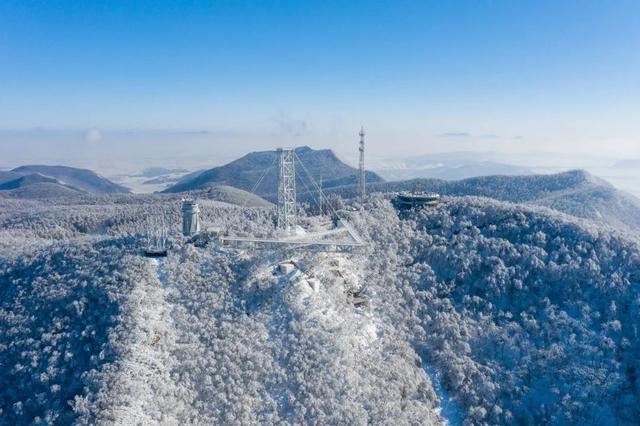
x: 529, y: 316
x: 83, y: 179
x: 477, y: 311
x: 574, y: 192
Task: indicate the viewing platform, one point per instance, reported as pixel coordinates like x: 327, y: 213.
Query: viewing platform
x: 414, y: 200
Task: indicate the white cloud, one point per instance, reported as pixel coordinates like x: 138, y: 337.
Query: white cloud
x: 93, y: 135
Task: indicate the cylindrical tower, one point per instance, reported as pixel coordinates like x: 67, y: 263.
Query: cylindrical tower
x: 190, y: 218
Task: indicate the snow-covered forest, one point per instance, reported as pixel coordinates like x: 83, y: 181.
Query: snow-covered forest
x: 478, y: 312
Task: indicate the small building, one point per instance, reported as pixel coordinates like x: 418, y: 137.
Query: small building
x: 190, y: 218
x: 415, y: 200
x: 287, y: 267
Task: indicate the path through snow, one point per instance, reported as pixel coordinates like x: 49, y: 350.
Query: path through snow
x: 204, y: 347
x: 142, y: 391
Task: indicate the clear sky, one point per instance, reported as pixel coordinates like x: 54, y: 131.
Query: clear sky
x: 231, y: 76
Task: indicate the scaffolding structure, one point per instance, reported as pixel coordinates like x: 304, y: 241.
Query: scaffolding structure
x: 343, y: 237
x: 286, y: 191
x: 156, y: 238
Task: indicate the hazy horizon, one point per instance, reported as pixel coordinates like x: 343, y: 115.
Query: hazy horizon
x: 119, y: 82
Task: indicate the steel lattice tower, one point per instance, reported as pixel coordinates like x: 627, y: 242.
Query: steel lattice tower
x: 362, y: 180
x: 286, y: 191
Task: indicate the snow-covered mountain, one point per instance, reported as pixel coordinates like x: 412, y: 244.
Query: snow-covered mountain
x: 43, y: 190
x: 453, y: 172
x: 575, y: 192
x: 6, y: 176
x: 245, y: 172
x: 26, y: 180
x: 479, y: 311
x: 81, y: 179
x: 231, y: 195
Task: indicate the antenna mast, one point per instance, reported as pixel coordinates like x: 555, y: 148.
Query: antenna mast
x: 362, y: 179
x: 320, y: 196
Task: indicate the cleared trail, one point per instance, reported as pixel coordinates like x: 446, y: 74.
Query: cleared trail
x: 142, y: 382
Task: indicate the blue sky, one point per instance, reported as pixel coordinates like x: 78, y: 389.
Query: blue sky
x: 222, y: 76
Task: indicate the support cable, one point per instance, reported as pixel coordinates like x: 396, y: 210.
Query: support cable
x: 259, y: 181
x: 315, y: 184
x: 311, y: 192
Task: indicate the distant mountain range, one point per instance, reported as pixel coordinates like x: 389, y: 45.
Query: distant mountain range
x: 260, y: 168
x: 252, y: 179
x: 575, y: 192
x: 449, y: 166
x: 455, y: 172
x: 151, y: 172
x: 39, y: 181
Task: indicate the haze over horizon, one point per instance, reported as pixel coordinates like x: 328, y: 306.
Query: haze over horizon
x: 145, y: 82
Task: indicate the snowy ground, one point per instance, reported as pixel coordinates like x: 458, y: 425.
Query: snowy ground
x: 477, y: 310
x: 295, y: 336
x: 142, y: 380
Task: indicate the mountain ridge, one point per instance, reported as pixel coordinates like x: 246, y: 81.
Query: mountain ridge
x: 80, y: 179
x: 247, y: 170
x: 574, y: 192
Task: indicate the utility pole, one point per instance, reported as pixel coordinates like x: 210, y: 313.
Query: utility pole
x: 286, y: 191
x: 362, y: 180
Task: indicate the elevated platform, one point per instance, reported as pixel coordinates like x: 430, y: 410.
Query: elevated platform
x: 413, y: 200
x: 318, y: 241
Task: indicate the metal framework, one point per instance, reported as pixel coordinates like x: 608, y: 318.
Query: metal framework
x: 286, y: 191
x: 156, y: 238
x: 312, y: 242
x: 362, y: 179
x: 342, y: 238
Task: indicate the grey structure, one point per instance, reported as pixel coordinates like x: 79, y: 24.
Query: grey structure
x: 190, y: 218
x: 362, y: 179
x: 340, y: 236
x: 286, y: 191
x: 413, y: 200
